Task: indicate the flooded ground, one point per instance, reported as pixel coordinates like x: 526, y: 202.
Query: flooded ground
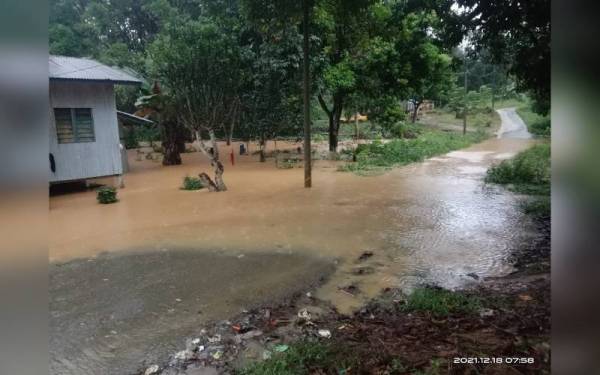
x: 429, y: 222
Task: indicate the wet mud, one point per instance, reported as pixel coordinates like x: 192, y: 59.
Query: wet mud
x: 117, y: 312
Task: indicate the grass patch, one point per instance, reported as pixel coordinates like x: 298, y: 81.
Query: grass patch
x: 528, y: 173
x: 441, y: 302
x: 536, y: 124
x: 539, y: 207
x: 379, y: 156
x: 192, y: 183
x: 301, y: 358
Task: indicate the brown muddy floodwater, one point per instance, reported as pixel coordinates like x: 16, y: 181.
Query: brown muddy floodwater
x: 431, y: 222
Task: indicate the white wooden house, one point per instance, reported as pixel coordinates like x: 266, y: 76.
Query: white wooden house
x: 84, y: 132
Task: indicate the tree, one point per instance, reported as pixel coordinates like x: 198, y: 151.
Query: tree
x: 342, y: 29
x: 164, y: 112
x: 517, y: 34
x: 201, y: 67
x: 272, y: 94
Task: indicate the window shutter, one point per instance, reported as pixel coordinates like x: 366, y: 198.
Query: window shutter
x: 64, y: 125
x: 84, y: 125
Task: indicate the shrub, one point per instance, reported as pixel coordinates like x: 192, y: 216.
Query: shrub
x: 441, y: 302
x: 541, y: 128
x: 529, y: 172
x: 106, y: 195
x: 536, y: 124
x: 404, y: 130
x: 192, y: 183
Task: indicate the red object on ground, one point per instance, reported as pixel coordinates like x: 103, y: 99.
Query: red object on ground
x: 232, y: 157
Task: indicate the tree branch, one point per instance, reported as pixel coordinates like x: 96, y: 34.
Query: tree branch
x: 323, y: 105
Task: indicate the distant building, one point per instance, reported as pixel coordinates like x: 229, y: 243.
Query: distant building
x: 84, y: 131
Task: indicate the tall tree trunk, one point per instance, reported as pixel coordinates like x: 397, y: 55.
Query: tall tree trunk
x: 171, y: 154
x: 464, y: 122
x: 333, y: 135
x: 334, y: 116
x: 218, y: 184
x: 415, y: 111
x: 171, y: 143
x: 356, y: 125
x: 263, y: 144
x: 306, y: 93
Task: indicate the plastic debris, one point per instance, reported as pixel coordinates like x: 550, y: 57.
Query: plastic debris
x: 196, y: 341
x: 216, y: 338
x: 281, y: 348
x: 251, y: 334
x: 184, y: 355
x: 304, y: 314
x: 217, y: 355
x: 486, y: 312
x: 325, y: 333
x: 152, y: 370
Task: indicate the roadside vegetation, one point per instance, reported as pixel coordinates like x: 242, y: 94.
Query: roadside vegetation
x: 527, y: 173
x: 379, y: 156
x: 537, y: 124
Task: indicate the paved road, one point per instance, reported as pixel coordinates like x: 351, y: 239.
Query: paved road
x: 512, y: 125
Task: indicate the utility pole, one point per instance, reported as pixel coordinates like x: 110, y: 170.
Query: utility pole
x: 465, y: 104
x: 306, y: 84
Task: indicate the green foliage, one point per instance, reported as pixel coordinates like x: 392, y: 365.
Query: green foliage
x: 516, y: 33
x: 529, y: 172
x: 301, y: 358
x: 539, y: 207
x: 340, y: 77
x: 536, y: 124
x: 379, y: 155
x: 388, y: 114
x: 192, y: 183
x: 131, y: 140
x: 271, y: 93
x: 107, y: 195
x: 541, y: 128
x: 441, y: 302
x: 199, y: 65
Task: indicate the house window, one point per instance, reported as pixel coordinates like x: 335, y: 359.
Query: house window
x: 74, y: 125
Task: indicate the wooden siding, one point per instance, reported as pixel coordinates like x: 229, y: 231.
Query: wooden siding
x: 76, y: 161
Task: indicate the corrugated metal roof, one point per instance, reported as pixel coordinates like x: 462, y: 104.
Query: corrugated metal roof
x: 80, y: 69
x: 134, y: 118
